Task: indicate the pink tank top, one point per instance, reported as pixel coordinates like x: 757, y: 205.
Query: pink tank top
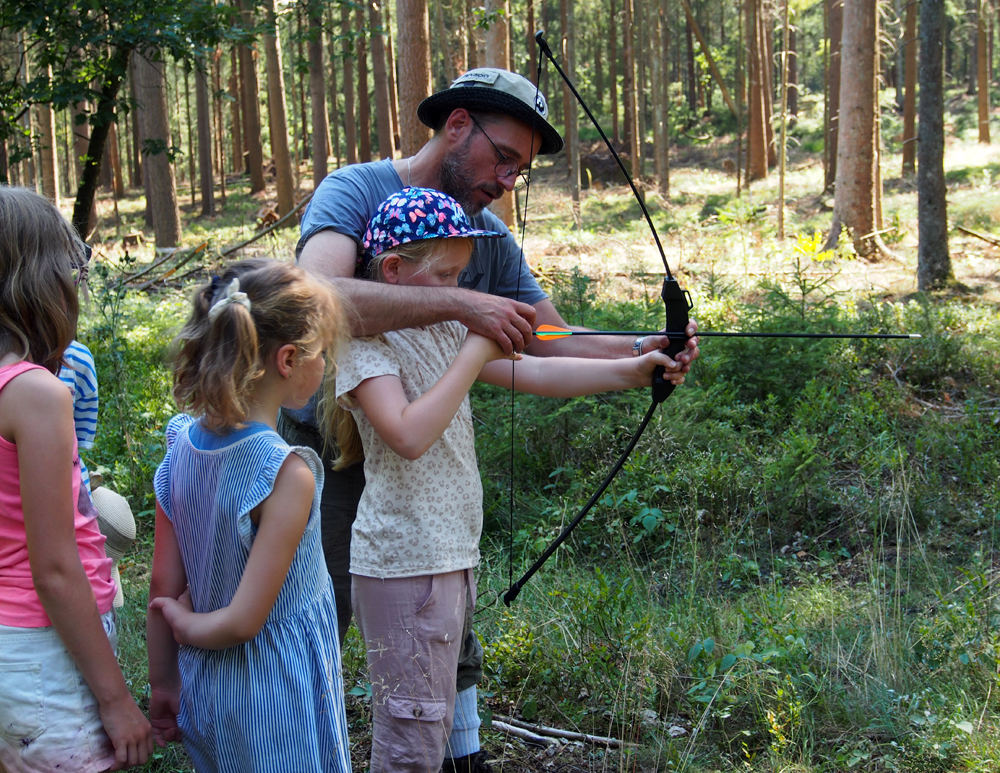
x: 20, y: 606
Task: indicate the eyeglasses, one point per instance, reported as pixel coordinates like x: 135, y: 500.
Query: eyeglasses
x: 506, y: 166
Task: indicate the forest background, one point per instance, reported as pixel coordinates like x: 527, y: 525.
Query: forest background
x: 798, y: 568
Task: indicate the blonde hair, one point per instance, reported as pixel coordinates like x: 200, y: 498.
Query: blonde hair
x: 337, y: 422
x: 38, y: 304
x: 218, y: 361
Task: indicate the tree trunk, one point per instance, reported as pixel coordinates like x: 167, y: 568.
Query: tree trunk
x: 498, y: 55
x: 350, y: 126
x: 783, y: 140
x: 49, y: 155
x: 190, y: 132
x: 910, y: 91
x: 251, y: 107
x: 206, y: 172
x: 793, y: 77
x: 756, y: 126
x: 613, y: 66
x: 933, y: 261
x: 220, y: 153
x: 662, y: 77
x: 364, y: 105
x: 629, y: 91
x: 383, y: 114
x: 836, y: 26
x: 854, y: 203
x: 390, y: 64
x: 983, y: 76
x: 235, y: 93
x: 118, y: 184
x: 151, y: 92
x: 317, y: 97
x: 414, y: 72
x: 442, y: 33
x: 277, y: 113
x: 334, y: 107
x: 692, y: 89
x: 572, y: 129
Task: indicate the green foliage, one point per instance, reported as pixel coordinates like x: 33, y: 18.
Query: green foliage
x: 87, y: 46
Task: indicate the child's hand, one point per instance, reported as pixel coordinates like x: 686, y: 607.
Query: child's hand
x: 487, y: 348
x: 177, y: 612
x: 647, y: 363
x: 164, y: 706
x: 129, y: 731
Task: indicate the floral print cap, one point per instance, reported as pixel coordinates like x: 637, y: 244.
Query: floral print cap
x: 414, y: 214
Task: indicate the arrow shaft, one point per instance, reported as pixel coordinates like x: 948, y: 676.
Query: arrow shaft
x: 723, y: 335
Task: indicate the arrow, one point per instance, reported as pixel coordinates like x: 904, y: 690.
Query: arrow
x: 551, y: 331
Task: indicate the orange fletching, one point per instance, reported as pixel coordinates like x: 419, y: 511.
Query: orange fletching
x: 551, y: 331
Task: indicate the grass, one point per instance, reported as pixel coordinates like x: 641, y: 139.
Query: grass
x: 797, y: 570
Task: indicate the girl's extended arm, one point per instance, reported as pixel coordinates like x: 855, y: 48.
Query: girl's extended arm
x: 574, y: 376
x: 42, y: 429
x: 410, y: 429
x: 169, y: 580
x: 283, y: 518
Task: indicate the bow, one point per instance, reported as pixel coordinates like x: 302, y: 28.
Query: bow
x: 677, y: 303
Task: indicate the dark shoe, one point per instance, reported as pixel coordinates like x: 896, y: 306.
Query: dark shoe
x: 471, y: 763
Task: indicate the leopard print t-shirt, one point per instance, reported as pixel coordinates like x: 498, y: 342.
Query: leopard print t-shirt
x: 423, y: 516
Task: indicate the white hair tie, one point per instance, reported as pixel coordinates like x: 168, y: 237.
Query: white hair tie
x: 232, y: 295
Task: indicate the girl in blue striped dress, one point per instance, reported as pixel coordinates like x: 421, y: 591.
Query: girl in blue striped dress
x: 244, y: 664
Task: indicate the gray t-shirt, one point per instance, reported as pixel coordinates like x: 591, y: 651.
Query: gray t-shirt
x: 346, y: 200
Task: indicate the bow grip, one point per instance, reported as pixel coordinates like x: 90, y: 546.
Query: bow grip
x: 677, y: 302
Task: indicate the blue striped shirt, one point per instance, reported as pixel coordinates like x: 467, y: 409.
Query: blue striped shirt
x: 80, y: 375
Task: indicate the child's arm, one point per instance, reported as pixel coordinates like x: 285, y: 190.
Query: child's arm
x: 168, y: 580
x: 283, y: 518
x: 410, y: 429
x: 574, y: 376
x: 42, y: 429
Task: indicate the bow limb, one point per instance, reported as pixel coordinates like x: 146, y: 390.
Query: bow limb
x: 677, y: 303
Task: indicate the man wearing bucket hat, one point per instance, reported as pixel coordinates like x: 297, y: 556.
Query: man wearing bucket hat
x: 488, y: 126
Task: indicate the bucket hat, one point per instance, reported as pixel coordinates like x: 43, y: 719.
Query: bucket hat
x: 115, y: 520
x: 414, y: 214
x: 492, y: 90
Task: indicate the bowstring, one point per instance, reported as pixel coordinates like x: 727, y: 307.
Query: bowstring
x: 517, y: 296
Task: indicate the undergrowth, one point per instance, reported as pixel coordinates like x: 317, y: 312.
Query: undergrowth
x: 796, y: 570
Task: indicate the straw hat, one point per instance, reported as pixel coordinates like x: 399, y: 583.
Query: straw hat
x: 114, y: 517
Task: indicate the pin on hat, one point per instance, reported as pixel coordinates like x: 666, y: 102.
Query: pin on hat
x: 115, y: 520
x: 492, y: 90
x: 415, y: 214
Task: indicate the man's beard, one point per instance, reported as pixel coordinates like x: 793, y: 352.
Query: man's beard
x: 458, y: 182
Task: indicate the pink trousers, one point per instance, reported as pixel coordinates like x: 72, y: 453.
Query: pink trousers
x: 412, y: 628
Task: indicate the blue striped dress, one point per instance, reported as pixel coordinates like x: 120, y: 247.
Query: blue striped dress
x: 275, y: 703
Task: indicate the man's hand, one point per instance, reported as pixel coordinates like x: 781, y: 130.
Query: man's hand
x: 506, y: 321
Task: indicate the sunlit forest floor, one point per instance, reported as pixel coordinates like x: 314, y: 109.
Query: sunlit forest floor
x: 798, y: 571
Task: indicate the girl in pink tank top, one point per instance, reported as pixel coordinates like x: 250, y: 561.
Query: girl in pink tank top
x: 63, y: 699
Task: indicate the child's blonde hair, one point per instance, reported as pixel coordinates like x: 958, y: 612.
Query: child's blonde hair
x: 338, y: 423
x: 38, y: 304
x: 219, y: 359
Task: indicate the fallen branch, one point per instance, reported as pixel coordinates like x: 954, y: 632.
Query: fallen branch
x: 525, y: 735
x: 988, y: 239
x: 230, y: 250
x: 146, y: 285
x: 555, y: 732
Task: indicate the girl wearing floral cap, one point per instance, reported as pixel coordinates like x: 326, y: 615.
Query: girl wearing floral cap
x: 402, y: 402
